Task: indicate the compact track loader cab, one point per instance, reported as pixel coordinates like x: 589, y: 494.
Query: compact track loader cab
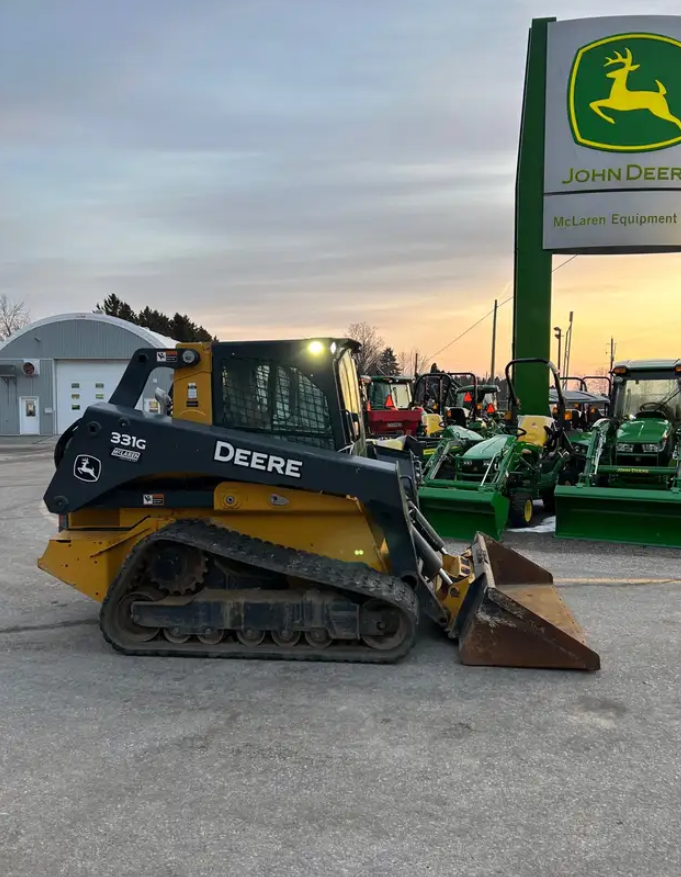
x: 251, y: 518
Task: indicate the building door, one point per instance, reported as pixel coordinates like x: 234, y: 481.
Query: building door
x: 29, y: 415
x: 81, y: 383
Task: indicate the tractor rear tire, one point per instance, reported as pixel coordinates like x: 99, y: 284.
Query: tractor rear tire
x: 520, y: 509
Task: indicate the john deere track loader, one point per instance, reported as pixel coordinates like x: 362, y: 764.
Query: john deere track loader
x: 627, y: 484
x: 252, y: 519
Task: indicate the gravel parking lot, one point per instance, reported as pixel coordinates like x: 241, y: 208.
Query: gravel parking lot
x: 188, y: 768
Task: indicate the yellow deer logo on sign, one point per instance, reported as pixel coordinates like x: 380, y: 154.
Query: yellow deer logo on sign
x: 622, y: 99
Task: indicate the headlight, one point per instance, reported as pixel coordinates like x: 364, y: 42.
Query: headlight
x: 654, y: 449
x: 625, y: 449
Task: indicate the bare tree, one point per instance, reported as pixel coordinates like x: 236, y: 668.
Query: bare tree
x: 410, y: 361
x: 372, y: 347
x: 13, y: 316
x: 602, y: 386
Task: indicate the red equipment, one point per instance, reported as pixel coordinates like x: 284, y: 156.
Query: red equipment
x: 389, y: 407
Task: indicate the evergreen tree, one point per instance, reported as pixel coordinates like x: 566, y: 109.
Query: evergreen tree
x: 182, y: 328
x: 114, y: 307
x: 179, y: 327
x: 387, y: 362
x: 155, y: 321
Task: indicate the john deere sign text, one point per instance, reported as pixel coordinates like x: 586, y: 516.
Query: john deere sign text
x: 613, y: 135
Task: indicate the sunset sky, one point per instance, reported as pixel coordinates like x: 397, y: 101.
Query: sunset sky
x: 287, y: 168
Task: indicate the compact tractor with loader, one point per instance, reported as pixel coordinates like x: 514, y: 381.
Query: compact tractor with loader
x: 467, y: 403
x: 627, y: 484
x: 454, y: 412
x: 252, y: 519
x: 480, y: 402
x: 583, y: 407
x: 494, y: 482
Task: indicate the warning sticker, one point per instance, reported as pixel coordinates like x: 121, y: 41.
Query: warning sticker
x: 166, y: 356
x: 153, y: 499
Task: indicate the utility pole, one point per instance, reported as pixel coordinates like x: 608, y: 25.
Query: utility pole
x: 568, y: 346
x: 558, y: 333
x: 492, y: 370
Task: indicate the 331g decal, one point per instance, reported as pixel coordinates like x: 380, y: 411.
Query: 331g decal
x: 125, y: 440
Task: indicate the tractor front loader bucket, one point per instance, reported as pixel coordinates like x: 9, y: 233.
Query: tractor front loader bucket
x: 630, y: 516
x: 513, y: 616
x: 459, y: 514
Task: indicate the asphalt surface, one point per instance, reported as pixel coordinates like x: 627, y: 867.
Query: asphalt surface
x: 186, y: 768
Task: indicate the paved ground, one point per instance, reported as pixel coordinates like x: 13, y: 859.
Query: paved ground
x: 153, y: 768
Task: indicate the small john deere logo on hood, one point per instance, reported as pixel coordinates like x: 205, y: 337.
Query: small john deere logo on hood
x: 624, y: 93
x: 87, y: 468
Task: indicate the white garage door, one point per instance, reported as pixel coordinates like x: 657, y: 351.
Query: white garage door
x: 81, y: 383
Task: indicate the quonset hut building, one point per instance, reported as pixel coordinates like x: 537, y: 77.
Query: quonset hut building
x: 54, y: 368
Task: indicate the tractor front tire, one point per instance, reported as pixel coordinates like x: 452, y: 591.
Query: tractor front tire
x: 520, y: 509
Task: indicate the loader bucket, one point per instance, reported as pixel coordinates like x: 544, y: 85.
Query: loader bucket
x: 460, y: 514
x: 613, y: 514
x: 513, y: 616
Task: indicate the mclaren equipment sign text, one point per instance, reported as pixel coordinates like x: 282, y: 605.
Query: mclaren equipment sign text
x: 225, y: 452
x: 612, y: 173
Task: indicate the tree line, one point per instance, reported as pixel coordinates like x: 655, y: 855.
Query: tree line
x: 179, y: 327
x: 375, y: 358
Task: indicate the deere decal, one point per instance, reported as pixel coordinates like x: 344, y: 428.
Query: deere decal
x: 624, y: 93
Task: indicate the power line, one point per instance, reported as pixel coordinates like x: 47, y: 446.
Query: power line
x: 488, y: 314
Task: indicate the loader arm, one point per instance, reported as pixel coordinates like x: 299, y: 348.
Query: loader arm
x: 603, y: 437
x: 211, y: 455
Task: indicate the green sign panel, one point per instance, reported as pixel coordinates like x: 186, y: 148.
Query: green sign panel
x: 624, y: 93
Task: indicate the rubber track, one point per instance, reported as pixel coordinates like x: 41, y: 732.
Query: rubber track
x: 357, y: 578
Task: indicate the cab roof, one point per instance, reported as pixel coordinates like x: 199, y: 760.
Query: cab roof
x: 648, y: 364
x: 391, y: 379
x: 486, y: 388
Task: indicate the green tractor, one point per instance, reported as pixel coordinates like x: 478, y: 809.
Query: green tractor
x: 583, y: 406
x: 627, y: 483
x: 459, y: 407
x: 480, y: 403
x: 494, y: 482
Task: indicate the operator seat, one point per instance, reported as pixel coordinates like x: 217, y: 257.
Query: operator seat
x: 538, y: 429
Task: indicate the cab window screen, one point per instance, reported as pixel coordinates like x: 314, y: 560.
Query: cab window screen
x: 275, y: 399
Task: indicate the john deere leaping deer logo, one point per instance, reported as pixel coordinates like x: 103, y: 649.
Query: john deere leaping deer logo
x: 636, y: 105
